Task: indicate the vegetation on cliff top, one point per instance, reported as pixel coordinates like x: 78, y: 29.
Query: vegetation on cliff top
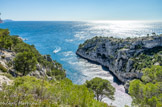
x: 148, y: 58
x: 117, y: 40
x: 127, y: 41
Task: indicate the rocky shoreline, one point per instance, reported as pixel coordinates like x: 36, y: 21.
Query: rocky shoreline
x: 118, y: 54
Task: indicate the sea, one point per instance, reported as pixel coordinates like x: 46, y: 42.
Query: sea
x: 60, y: 39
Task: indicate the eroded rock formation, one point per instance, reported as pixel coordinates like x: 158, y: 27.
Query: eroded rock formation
x: 117, y: 54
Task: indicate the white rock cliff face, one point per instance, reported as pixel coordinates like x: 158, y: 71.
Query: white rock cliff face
x: 4, y: 80
x: 117, y: 54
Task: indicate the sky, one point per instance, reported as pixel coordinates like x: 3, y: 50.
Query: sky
x: 80, y: 10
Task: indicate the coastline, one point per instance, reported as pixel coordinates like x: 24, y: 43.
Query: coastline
x: 116, y: 80
x: 119, y: 55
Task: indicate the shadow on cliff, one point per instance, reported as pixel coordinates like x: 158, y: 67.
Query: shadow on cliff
x: 115, y: 79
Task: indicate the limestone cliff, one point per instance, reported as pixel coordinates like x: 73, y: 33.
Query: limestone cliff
x: 117, y: 54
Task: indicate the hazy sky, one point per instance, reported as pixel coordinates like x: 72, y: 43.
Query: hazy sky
x: 81, y: 9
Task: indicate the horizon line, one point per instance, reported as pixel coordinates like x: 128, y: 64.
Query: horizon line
x: 87, y: 20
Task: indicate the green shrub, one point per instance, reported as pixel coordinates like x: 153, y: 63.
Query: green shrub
x: 58, y: 74
x: 2, y: 68
x: 80, y: 46
x: 25, y: 62
x: 148, y: 58
x: 3, y: 57
x: 8, y: 75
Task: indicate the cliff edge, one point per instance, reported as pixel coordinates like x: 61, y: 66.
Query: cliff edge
x: 121, y: 55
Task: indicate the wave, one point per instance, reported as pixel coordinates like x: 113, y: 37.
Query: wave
x: 24, y: 39
x: 69, y: 40
x: 68, y: 53
x: 57, y: 49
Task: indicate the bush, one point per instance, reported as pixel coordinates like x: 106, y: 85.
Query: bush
x: 148, y: 58
x: 8, y: 75
x: 25, y: 62
x: 58, y: 74
x: 2, y: 68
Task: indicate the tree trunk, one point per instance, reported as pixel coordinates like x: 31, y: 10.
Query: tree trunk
x: 97, y: 97
x: 24, y: 71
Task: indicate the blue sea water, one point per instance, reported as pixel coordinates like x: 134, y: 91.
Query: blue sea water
x: 60, y: 39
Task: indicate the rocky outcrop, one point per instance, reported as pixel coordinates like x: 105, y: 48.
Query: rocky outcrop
x: 4, y: 80
x: 6, y: 56
x: 117, y: 54
x: 6, y: 61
